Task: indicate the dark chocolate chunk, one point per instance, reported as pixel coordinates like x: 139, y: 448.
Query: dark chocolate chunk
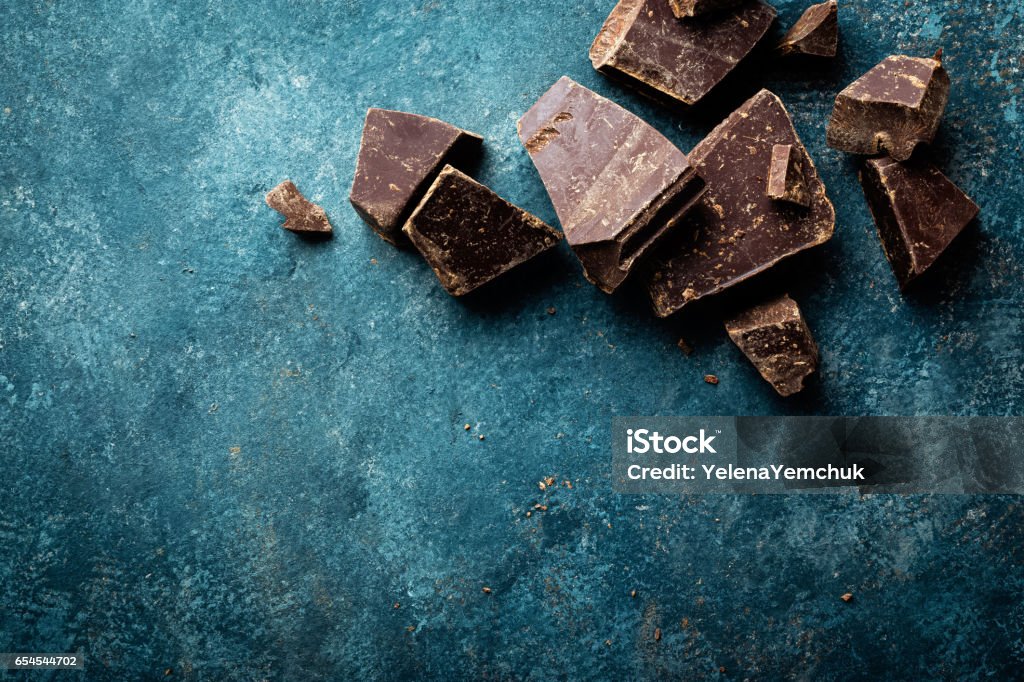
x: 891, y: 108
x: 918, y: 212
x: 693, y: 8
x: 469, y: 235
x: 776, y: 339
x: 815, y: 33
x: 737, y: 230
x: 786, y: 175
x: 301, y: 214
x: 645, y: 44
x: 399, y: 157
x: 617, y: 184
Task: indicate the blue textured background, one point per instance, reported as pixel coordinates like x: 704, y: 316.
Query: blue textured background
x: 229, y: 451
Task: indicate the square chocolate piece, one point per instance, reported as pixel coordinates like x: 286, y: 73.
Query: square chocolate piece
x: 399, y: 156
x: 469, y: 235
x: 776, y: 339
x: 892, y: 108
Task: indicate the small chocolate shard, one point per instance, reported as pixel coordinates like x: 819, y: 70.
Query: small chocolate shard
x: 469, y: 235
x: 786, y: 175
x: 399, y: 156
x: 617, y: 184
x: 892, y: 108
x: 738, y: 231
x: 301, y: 214
x: 815, y: 33
x: 918, y: 212
x: 776, y: 339
x: 644, y: 43
x: 693, y: 8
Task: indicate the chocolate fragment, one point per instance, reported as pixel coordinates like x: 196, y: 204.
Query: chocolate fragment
x: 918, y: 211
x: 301, y: 214
x: 617, y: 184
x: 693, y: 8
x: 786, y: 175
x: 737, y: 230
x: 776, y: 339
x: 645, y: 44
x: 469, y: 235
x: 891, y: 108
x: 815, y: 33
x: 399, y: 156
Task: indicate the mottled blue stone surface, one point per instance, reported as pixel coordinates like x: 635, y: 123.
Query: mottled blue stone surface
x: 230, y: 452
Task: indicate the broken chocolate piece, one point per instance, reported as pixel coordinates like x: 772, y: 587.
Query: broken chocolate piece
x: 891, y: 108
x: 775, y: 337
x: 737, y: 230
x: 786, y: 175
x: 301, y: 214
x: 399, y: 156
x: 918, y: 211
x: 469, y: 235
x: 643, y: 42
x: 617, y: 184
x: 693, y: 8
x: 815, y: 33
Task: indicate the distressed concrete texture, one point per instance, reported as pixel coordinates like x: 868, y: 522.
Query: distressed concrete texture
x: 230, y: 452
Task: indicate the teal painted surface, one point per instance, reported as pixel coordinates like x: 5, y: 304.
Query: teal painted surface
x: 229, y: 452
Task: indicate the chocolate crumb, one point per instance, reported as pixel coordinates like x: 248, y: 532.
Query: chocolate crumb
x: 685, y: 346
x: 301, y: 214
x: 721, y: 668
x: 397, y: 605
x: 711, y: 379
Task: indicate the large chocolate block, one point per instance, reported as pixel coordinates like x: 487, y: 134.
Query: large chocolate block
x: 645, y: 44
x: 738, y: 230
x: 301, y: 214
x: 815, y: 33
x: 469, y: 235
x: 918, y: 212
x: 892, y: 108
x: 616, y: 183
x: 399, y: 157
x: 776, y: 339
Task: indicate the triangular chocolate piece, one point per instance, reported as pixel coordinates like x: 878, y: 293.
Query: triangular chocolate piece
x: 469, y: 235
x: 786, y: 180
x: 399, y: 157
x: 301, y: 214
x: 737, y: 230
x: 815, y: 33
x: 776, y: 339
x: 645, y: 44
x: 616, y: 183
x: 918, y: 211
x: 891, y: 108
x: 693, y: 8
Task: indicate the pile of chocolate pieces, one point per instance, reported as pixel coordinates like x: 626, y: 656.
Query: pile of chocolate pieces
x: 631, y: 203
